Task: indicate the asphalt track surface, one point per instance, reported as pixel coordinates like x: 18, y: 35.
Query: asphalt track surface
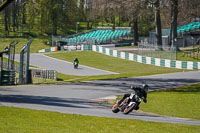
x: 82, y: 98
x: 64, y: 67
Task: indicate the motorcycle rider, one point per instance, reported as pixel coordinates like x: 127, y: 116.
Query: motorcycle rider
x: 6, y: 50
x: 139, y: 93
x: 76, y: 61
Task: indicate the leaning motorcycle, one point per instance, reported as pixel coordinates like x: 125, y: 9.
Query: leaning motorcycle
x: 131, y: 101
x: 127, y: 105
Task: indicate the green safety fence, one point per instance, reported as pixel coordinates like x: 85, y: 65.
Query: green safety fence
x: 148, y: 60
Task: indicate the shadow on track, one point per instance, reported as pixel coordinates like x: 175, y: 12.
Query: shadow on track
x: 154, y: 83
x: 49, y: 101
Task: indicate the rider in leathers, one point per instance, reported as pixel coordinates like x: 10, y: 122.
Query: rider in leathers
x: 76, y: 62
x: 139, y: 93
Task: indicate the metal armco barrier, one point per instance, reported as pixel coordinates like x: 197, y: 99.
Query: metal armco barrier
x: 36, y: 72
x: 8, y: 77
x: 16, y: 68
x: 45, y: 74
x: 7, y: 71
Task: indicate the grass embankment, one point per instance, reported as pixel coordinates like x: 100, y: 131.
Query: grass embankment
x: 25, y: 120
x: 181, y: 102
x: 187, y: 57
x: 125, y: 68
x: 37, y: 44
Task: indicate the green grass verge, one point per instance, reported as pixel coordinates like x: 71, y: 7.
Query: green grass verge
x: 187, y: 58
x: 24, y: 120
x: 125, y: 68
x: 37, y: 44
x: 181, y: 102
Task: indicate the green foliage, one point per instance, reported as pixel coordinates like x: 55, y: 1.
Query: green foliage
x: 25, y: 120
x: 144, y: 26
x: 47, y: 17
x: 41, y: 17
x: 188, y: 57
x: 37, y: 44
x: 54, y: 16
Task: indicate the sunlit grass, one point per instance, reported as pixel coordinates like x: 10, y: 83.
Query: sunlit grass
x: 25, y: 120
x: 125, y: 68
x: 181, y: 102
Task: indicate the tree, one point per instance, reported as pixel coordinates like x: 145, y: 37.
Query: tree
x: 31, y: 11
x: 110, y: 10
x: 6, y: 20
x: 51, y: 16
x: 134, y: 10
x: 174, y: 16
x: 158, y: 24
x: 188, y: 9
x: 4, y: 4
x: 156, y: 4
x: 129, y: 10
x: 14, y: 15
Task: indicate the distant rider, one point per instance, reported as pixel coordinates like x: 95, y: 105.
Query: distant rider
x: 76, y: 62
x: 139, y: 93
x: 6, y: 50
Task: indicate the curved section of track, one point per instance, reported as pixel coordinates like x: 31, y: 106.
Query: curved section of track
x: 82, y: 98
x: 64, y: 67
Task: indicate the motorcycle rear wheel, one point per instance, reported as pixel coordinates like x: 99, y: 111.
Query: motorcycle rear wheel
x: 115, y: 108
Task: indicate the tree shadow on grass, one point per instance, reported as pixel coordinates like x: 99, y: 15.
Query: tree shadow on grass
x: 187, y: 89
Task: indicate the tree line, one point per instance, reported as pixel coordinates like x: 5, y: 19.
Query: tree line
x: 59, y: 17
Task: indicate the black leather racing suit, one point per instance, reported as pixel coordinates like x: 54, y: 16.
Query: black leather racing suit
x: 140, y: 92
x: 76, y: 62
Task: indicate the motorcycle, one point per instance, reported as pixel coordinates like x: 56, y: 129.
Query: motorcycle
x: 131, y: 101
x: 75, y: 65
x: 126, y: 106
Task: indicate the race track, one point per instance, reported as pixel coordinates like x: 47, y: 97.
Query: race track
x: 64, y: 67
x: 82, y: 98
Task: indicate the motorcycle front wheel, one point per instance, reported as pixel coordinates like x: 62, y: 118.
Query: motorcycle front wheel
x: 75, y: 66
x: 115, y: 108
x: 129, y: 108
